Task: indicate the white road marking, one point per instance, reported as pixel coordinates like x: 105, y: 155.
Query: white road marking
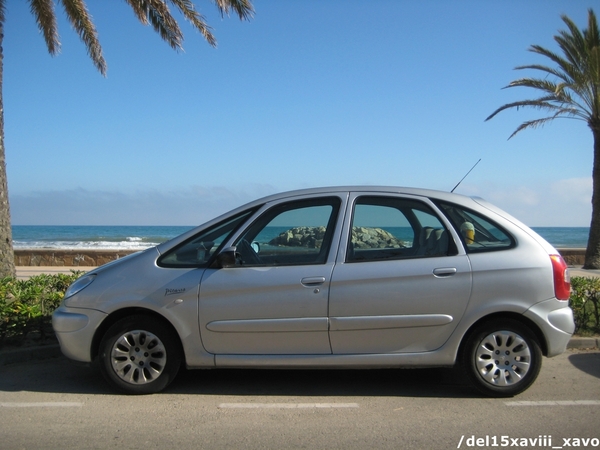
x: 286, y: 405
x: 40, y: 404
x: 556, y: 403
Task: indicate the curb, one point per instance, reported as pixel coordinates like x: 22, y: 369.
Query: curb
x: 582, y: 342
x: 37, y: 353
x: 42, y: 352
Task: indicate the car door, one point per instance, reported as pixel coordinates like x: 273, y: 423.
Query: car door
x: 274, y: 301
x: 402, y: 284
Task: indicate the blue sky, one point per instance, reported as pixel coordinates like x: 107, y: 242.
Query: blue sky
x: 308, y: 93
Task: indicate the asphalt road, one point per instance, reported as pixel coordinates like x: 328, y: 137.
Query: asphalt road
x: 53, y: 404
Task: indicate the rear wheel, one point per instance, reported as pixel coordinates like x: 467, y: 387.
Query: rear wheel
x: 139, y: 355
x: 502, y: 358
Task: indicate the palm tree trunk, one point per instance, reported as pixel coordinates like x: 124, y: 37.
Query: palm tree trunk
x: 7, y: 258
x: 592, y: 253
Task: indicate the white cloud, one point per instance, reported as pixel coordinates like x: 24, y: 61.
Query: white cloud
x: 558, y: 203
x: 145, y: 207
x: 518, y: 195
x: 578, y: 190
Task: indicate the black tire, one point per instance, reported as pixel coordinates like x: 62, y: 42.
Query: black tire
x: 501, y: 358
x: 139, y: 355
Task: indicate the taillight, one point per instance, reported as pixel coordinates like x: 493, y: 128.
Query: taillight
x: 562, y: 280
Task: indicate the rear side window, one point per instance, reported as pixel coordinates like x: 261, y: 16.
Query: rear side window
x: 386, y: 228
x: 478, y: 233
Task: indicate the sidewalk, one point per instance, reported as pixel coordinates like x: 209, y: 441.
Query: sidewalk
x: 25, y: 272
x: 577, y: 271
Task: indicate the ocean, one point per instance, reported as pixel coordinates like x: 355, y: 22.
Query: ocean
x: 141, y: 237
x: 58, y: 237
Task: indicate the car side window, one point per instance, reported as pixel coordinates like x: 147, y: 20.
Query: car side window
x: 196, y: 252
x: 479, y: 234
x: 290, y: 234
x: 390, y: 228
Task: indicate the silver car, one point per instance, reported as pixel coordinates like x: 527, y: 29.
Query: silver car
x: 348, y: 277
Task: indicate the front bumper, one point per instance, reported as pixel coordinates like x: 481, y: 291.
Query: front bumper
x: 75, y: 329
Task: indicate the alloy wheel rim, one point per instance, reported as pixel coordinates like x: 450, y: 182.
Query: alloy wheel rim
x: 502, y: 358
x: 138, y: 357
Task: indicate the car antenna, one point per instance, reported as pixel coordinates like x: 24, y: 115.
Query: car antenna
x: 461, y: 180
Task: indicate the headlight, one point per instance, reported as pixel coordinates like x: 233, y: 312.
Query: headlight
x: 79, y: 284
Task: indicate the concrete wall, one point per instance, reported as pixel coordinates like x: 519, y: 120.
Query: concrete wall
x: 573, y: 256
x: 74, y: 258
x: 68, y: 258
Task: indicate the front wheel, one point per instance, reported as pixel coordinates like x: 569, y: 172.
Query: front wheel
x: 502, y: 358
x: 139, y: 355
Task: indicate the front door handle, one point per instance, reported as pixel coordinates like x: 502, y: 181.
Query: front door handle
x: 312, y: 281
x: 444, y: 272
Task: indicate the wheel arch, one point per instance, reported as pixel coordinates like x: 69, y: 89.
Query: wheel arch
x: 531, y: 325
x: 126, y: 312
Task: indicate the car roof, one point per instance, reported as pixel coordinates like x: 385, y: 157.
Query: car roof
x: 442, y: 195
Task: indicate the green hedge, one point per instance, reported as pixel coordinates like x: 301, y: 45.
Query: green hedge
x: 585, y: 303
x: 26, y: 306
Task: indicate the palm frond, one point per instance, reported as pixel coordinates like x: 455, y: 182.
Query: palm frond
x: 541, y: 103
x: 575, y: 90
x: 566, y: 70
x: 81, y: 22
x: 559, y: 60
x: 164, y: 23
x: 532, y: 124
x: 574, y: 36
x: 592, y: 34
x: 196, y: 19
x: 572, y: 43
x: 157, y: 14
x: 536, y: 83
x: 43, y: 11
x: 139, y: 10
x: 243, y: 8
x: 558, y: 93
x: 149, y: 12
x: 547, y: 103
x: 2, y: 11
x: 548, y: 70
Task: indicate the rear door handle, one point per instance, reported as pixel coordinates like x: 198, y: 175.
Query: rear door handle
x: 312, y: 281
x: 444, y: 272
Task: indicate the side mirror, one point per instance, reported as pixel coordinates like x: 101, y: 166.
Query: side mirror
x: 227, y: 258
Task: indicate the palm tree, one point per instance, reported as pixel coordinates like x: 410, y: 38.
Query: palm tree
x: 575, y: 94
x: 149, y: 12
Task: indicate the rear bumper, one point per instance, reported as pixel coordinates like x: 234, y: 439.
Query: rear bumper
x: 555, y: 320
